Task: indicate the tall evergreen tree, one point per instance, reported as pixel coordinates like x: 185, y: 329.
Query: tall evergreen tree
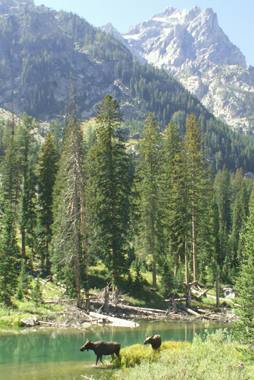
x: 198, y: 173
x: 239, y: 218
x: 244, y: 285
x: 69, y: 240
x: 171, y: 187
x: 9, y: 251
x: 46, y: 170
x: 9, y: 257
x: 25, y: 141
x: 222, y: 190
x: 149, y: 174
x: 112, y: 185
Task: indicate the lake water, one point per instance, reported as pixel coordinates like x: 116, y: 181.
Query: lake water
x: 53, y: 354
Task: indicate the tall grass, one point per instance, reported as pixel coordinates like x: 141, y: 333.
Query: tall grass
x: 213, y: 357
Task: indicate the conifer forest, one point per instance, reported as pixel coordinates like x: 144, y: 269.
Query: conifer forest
x: 79, y: 198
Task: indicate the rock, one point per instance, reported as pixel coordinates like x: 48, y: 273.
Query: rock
x: 30, y: 321
x: 229, y: 292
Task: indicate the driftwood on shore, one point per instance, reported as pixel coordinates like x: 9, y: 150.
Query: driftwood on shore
x: 120, y: 322
x: 111, y: 308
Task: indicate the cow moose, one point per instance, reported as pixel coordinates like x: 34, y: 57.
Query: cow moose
x: 154, y: 340
x: 102, y: 348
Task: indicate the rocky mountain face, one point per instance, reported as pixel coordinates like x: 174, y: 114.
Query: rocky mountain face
x: 44, y: 52
x: 172, y: 40
x: 192, y: 46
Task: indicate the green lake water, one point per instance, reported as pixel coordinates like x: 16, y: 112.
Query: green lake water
x: 53, y: 354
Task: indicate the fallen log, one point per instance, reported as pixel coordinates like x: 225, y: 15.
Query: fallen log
x: 143, y: 309
x: 113, y: 320
x: 135, y: 308
x: 176, y: 299
x: 204, y: 311
x: 52, y: 324
x: 199, y: 295
x: 223, y: 299
x: 190, y: 311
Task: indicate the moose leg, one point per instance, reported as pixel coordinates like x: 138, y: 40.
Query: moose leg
x: 101, y: 359
x: 112, y: 356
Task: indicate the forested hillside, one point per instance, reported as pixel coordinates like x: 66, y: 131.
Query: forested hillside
x: 90, y: 201
x: 42, y: 52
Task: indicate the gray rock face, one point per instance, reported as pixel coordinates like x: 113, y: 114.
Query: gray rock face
x: 225, y: 90
x: 41, y: 47
x: 192, y: 46
x: 173, y: 39
x: 109, y: 29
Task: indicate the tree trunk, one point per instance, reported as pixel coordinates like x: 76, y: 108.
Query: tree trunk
x: 174, y: 304
x: 188, y: 298
x: 76, y: 246
x: 176, y: 264
x: 194, y: 251
x: 153, y: 254
x: 115, y: 295
x: 217, y: 291
x: 186, y: 257
x: 23, y: 242
x: 82, y: 218
x: 106, y: 301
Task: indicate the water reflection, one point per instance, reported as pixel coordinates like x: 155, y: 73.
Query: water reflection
x: 54, y: 354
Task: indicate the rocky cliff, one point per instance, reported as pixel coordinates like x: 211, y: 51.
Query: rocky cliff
x: 43, y: 51
x: 192, y: 46
x: 172, y: 40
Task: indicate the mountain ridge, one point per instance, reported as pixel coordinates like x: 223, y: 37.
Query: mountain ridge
x: 45, y: 53
x: 191, y: 46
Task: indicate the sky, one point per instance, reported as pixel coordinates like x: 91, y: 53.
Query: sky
x: 235, y: 17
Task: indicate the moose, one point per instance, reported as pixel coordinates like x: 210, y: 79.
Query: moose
x: 154, y: 340
x: 102, y: 348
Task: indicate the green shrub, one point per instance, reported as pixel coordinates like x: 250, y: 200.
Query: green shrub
x: 13, y: 320
x: 213, y: 357
x: 137, y: 353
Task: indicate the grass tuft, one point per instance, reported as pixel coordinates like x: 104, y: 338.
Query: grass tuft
x: 136, y: 354
x: 213, y: 357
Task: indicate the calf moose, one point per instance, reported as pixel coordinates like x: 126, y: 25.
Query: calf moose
x: 154, y: 340
x: 102, y: 348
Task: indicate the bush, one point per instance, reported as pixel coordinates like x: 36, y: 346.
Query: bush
x: 212, y: 358
x: 137, y: 353
x: 36, y: 294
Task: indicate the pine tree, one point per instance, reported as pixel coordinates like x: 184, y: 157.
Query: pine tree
x: 36, y: 293
x: 25, y: 142
x: 9, y: 257
x: 24, y: 282
x: 239, y: 217
x: 244, y: 285
x: 112, y: 185
x: 69, y: 240
x: 9, y: 251
x: 149, y: 178
x: 198, y: 174
x: 46, y: 170
x: 222, y: 190
x: 172, y: 170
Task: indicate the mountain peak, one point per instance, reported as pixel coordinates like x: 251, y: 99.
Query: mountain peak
x: 174, y: 38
